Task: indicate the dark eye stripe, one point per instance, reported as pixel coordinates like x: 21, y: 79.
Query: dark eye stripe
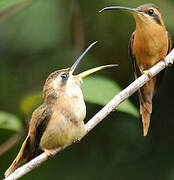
x: 152, y: 13
x: 156, y: 18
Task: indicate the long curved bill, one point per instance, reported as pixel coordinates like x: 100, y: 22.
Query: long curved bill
x: 90, y: 71
x: 73, y: 67
x: 130, y: 10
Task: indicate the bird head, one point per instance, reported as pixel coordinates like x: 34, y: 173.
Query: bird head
x: 145, y: 14
x: 64, y: 81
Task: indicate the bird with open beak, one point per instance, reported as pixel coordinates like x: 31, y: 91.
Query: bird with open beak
x: 60, y: 119
x: 149, y: 44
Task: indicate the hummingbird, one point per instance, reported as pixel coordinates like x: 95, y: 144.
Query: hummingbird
x: 149, y: 43
x: 60, y: 119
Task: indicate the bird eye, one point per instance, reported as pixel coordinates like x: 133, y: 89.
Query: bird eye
x: 64, y: 76
x: 150, y: 12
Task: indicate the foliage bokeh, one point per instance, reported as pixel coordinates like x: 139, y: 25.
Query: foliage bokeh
x: 47, y: 35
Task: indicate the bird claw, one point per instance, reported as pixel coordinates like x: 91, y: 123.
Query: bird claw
x: 147, y: 72
x: 48, y: 152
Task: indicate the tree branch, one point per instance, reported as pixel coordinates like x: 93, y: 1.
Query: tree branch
x: 133, y: 87
x: 12, y: 141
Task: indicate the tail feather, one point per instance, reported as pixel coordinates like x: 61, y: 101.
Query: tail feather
x: 145, y: 96
x: 21, y: 158
x: 145, y: 120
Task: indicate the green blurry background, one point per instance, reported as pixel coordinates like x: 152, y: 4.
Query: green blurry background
x: 40, y: 36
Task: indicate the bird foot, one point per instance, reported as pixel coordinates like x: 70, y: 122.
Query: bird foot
x: 147, y: 72
x: 48, y: 152
x: 51, y: 152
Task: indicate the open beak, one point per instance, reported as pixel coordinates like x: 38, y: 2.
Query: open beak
x: 130, y: 10
x: 73, y: 67
x: 90, y: 71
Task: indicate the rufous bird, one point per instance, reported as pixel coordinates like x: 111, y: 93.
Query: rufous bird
x: 149, y: 44
x: 60, y: 119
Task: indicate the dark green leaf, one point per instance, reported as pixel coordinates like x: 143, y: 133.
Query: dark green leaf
x: 100, y: 90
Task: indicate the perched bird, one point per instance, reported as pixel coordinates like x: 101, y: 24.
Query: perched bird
x: 59, y: 120
x: 149, y: 44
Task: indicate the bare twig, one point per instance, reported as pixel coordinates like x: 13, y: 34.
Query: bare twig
x: 101, y: 114
x: 12, y: 141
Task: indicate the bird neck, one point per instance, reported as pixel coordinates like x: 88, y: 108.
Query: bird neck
x: 68, y: 95
x: 148, y: 26
x: 71, y: 104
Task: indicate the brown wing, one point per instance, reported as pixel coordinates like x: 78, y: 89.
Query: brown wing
x: 38, y: 125
x: 137, y: 72
x: 30, y: 147
x: 145, y: 93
